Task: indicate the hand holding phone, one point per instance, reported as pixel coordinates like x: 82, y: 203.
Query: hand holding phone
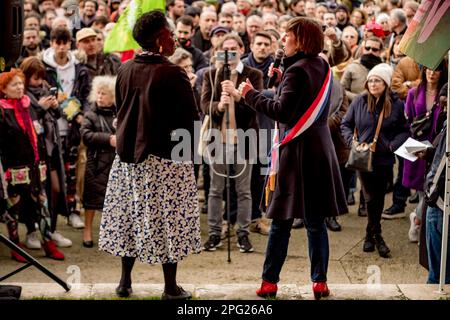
x: 54, y: 92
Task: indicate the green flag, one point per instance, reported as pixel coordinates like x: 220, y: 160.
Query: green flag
x: 120, y: 38
x: 427, y: 38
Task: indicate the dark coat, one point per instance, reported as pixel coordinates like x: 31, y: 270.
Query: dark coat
x: 394, y: 129
x: 154, y: 98
x: 106, y: 64
x: 16, y: 149
x: 338, y: 109
x: 198, y: 58
x: 96, y: 131
x: 199, y: 42
x: 53, y: 147
x: 245, y: 116
x: 308, y: 181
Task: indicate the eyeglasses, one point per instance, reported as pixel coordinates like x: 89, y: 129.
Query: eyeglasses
x: 375, y: 81
x: 372, y: 49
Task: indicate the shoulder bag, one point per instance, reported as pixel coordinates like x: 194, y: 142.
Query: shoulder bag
x: 361, y: 153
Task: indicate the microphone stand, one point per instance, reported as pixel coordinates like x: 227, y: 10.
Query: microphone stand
x: 226, y: 76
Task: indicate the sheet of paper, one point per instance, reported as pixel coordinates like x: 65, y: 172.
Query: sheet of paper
x: 410, y: 146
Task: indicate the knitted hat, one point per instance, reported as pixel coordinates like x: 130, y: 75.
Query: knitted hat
x: 383, y: 71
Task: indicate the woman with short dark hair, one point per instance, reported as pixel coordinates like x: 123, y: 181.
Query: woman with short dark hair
x: 151, y: 206
x: 307, y: 183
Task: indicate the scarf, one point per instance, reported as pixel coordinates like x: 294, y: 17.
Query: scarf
x: 369, y: 61
x: 21, y: 109
x: 263, y: 66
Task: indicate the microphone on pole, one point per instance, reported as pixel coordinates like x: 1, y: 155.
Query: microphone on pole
x: 278, y: 56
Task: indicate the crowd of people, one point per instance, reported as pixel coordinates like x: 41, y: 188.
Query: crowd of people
x: 60, y: 110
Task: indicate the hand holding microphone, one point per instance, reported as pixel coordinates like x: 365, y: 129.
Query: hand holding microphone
x: 274, y: 72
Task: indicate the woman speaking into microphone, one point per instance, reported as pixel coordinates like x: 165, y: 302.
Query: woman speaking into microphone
x: 304, y: 179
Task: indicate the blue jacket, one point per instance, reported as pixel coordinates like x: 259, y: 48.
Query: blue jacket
x: 394, y: 129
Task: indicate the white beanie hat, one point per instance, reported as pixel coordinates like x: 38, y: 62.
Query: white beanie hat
x: 383, y: 71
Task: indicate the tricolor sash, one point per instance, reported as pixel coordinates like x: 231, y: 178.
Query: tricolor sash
x: 313, y: 112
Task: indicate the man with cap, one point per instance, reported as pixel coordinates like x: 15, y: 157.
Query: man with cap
x: 216, y: 34
x: 184, y: 31
x: 98, y: 63
x: 201, y: 39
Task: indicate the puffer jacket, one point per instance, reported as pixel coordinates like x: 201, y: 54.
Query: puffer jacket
x: 96, y: 130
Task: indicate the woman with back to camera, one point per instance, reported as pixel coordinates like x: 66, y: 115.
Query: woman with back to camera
x: 307, y: 184
x: 150, y: 210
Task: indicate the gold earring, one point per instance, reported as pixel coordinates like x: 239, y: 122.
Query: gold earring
x: 160, y: 49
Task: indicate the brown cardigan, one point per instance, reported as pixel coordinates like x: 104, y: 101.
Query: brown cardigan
x: 154, y: 98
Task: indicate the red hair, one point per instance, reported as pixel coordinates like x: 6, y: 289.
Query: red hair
x: 6, y: 78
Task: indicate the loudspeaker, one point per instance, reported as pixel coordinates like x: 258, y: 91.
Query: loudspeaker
x: 11, y: 31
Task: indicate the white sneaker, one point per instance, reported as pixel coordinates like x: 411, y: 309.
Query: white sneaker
x: 75, y: 221
x: 60, y: 240
x: 414, y: 229
x: 32, y: 241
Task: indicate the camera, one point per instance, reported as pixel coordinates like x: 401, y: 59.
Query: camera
x: 54, y: 91
x: 232, y: 56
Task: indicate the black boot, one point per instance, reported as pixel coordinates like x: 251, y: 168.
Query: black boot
x: 369, y: 243
x: 172, y: 291
x: 382, y: 248
x: 362, y: 210
x: 332, y: 224
x: 124, y: 289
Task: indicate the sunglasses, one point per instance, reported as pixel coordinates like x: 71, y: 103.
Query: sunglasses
x: 372, y: 48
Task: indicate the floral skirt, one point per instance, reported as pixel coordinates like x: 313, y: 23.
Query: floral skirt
x: 151, y: 211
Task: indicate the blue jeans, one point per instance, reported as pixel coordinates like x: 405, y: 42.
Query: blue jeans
x: 434, y: 222
x: 278, y: 243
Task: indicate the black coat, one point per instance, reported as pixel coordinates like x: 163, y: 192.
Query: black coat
x: 198, y: 58
x: 394, y: 129
x: 16, y: 149
x: 154, y: 98
x: 53, y: 147
x: 308, y: 182
x: 96, y: 131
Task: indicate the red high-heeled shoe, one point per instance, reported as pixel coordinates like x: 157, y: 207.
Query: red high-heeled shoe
x: 320, y: 290
x: 267, y: 290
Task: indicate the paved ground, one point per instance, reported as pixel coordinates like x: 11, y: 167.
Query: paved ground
x: 100, y: 291
x: 348, y: 264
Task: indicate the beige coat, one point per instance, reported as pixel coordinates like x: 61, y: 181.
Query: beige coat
x: 354, y: 79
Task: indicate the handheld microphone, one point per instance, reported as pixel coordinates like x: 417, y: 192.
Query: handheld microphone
x: 278, y: 56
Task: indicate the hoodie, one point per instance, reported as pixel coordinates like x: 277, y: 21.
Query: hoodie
x: 66, y: 74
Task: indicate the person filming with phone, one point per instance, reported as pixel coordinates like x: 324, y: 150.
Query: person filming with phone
x: 218, y: 94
